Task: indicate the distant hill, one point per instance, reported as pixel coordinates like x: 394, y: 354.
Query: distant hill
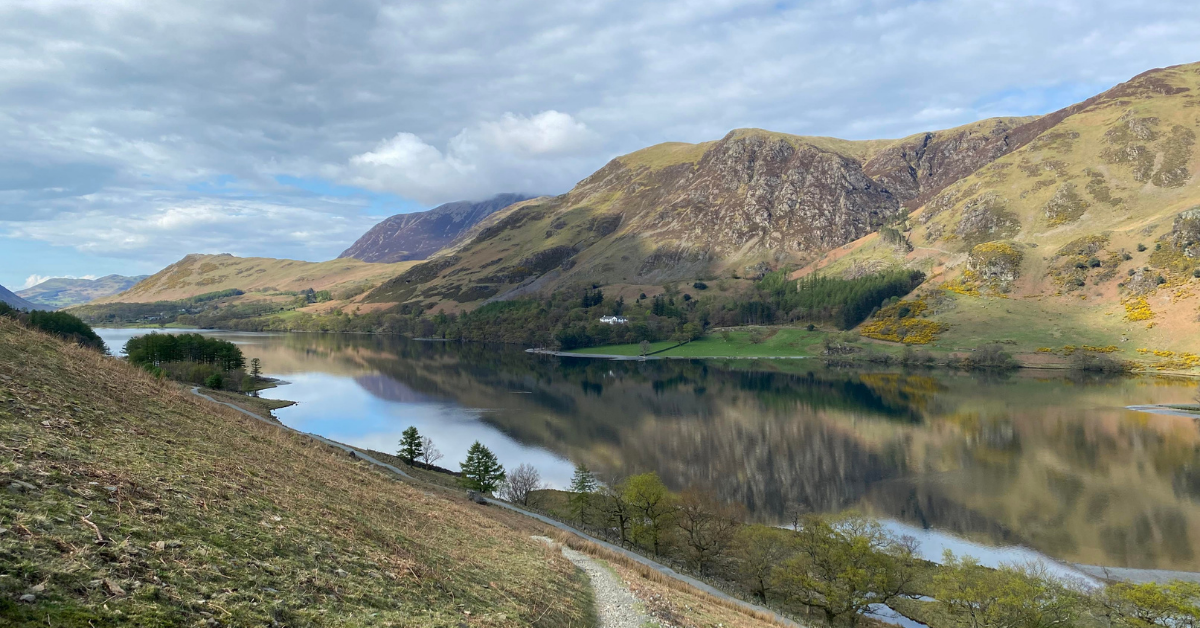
x: 61, y: 292
x: 197, y: 274
x: 15, y: 301
x: 418, y: 235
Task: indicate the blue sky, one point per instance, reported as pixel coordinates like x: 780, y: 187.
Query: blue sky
x: 138, y: 132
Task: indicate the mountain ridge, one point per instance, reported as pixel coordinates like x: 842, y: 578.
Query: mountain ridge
x: 418, y: 235
x: 11, y: 298
x: 63, y: 292
x: 751, y: 200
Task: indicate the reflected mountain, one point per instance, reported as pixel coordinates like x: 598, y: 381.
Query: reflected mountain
x: 1053, y: 463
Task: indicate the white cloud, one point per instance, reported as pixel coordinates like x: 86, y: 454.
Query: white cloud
x: 548, y: 133
x: 514, y: 153
x: 241, y: 227
x: 35, y: 279
x: 117, y: 117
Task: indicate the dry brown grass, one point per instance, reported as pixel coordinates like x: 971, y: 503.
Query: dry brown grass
x: 670, y: 600
x: 205, y: 515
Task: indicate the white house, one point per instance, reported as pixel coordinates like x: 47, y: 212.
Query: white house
x: 614, y: 320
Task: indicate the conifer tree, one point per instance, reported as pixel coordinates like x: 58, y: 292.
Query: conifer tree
x: 410, y: 446
x: 583, y: 485
x: 481, y: 471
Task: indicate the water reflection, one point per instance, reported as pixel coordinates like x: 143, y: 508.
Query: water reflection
x: 1053, y: 463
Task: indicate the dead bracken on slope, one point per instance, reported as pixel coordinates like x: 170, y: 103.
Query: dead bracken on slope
x: 131, y: 503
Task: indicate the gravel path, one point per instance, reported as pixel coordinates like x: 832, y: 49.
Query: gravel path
x: 617, y: 607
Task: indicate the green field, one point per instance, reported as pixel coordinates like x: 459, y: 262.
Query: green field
x: 777, y: 342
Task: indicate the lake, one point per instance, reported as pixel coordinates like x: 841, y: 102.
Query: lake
x: 1037, y: 459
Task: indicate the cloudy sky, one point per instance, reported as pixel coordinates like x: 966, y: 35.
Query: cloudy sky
x: 132, y: 133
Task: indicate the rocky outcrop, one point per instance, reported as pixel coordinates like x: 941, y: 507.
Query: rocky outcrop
x: 418, y: 235
x: 752, y: 190
x: 915, y: 169
x: 995, y: 264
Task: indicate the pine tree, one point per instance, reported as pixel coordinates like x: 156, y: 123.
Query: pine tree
x: 410, y: 446
x: 583, y: 485
x: 255, y: 368
x: 481, y: 471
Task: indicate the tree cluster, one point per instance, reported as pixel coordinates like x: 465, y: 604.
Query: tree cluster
x: 61, y: 324
x: 836, y: 569
x: 157, y: 349
x: 416, y: 449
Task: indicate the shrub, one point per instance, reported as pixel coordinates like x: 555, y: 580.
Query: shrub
x: 1141, y: 247
x: 991, y: 357
x: 215, y: 381
x: 1098, y: 363
x: 700, y: 285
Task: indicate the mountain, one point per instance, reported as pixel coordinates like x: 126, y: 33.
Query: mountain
x: 749, y: 202
x: 264, y: 277
x: 61, y: 292
x: 15, y: 301
x: 418, y: 235
x: 1085, y: 231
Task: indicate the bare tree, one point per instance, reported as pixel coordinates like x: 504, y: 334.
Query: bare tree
x: 429, y: 453
x: 520, y: 483
x: 708, y: 526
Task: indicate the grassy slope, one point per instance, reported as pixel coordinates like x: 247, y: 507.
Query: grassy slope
x: 200, y: 274
x: 1040, y: 311
x: 779, y: 342
x: 206, y: 513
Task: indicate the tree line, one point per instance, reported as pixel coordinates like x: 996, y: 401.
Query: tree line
x: 835, y: 569
x: 61, y: 324
x: 825, y: 299
x: 566, y: 319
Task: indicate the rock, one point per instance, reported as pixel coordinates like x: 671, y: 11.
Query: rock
x: 28, y: 598
x: 341, y: 573
x: 17, y: 486
x: 113, y: 587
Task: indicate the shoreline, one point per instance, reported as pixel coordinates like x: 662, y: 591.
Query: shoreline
x: 650, y: 356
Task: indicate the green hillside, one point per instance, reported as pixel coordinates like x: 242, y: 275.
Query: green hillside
x: 1097, y: 217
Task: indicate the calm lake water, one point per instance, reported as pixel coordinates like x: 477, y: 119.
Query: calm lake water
x: 1039, y: 460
